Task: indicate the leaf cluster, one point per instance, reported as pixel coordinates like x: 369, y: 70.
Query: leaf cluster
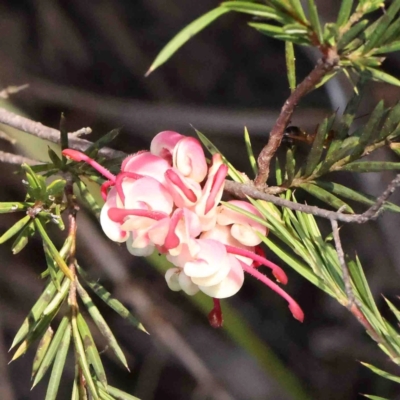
x: 359, y: 41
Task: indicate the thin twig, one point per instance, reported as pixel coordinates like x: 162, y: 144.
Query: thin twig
x: 5, y: 93
x: 323, y: 67
x: 244, y: 190
x: 51, y: 134
x: 10, y: 158
x: 342, y: 261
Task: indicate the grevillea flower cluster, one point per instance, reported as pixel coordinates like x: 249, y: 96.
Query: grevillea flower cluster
x: 168, y: 199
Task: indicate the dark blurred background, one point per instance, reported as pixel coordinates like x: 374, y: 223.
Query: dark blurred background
x: 88, y: 59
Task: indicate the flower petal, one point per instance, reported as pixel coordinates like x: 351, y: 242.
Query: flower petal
x: 230, y: 285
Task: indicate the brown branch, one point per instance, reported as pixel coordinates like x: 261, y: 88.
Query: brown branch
x: 323, y: 67
x: 243, y: 190
x: 10, y: 158
x: 50, y: 134
x: 353, y: 305
x: 342, y: 261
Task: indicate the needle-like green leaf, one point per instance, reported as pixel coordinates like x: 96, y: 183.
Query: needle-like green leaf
x: 379, y: 75
x: 184, y: 35
x: 88, y: 198
x: 52, y: 249
x: 344, y: 12
x: 83, y: 362
x: 372, y: 166
x: 314, y: 19
x: 250, y: 153
x: 52, y: 351
x: 58, y: 367
x: 91, y: 350
x: 120, y: 395
x: 289, y: 166
x: 290, y: 65
x: 8, y: 207
x: 259, y: 10
x: 113, y: 303
x: 344, y: 191
x: 23, y: 237
x: 14, y: 229
x: 377, y: 34
x: 102, y: 324
x: 326, y: 197
x: 317, y: 148
x: 105, y: 140
x: 41, y: 350
x: 382, y: 373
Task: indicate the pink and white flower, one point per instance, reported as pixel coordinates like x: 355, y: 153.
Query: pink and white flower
x: 168, y: 199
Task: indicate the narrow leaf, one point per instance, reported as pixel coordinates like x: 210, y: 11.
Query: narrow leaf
x: 34, y: 315
x: 382, y: 373
x: 102, y: 324
x: 54, y: 158
x: 371, y: 166
x: 352, y: 33
x: 63, y: 133
x: 91, y: 350
x: 391, y: 121
x: 113, y: 303
x: 258, y: 10
x: 58, y: 298
x: 82, y: 358
x: 289, y: 166
x: 105, y: 140
x: 361, y: 284
x: 314, y: 19
x: 326, y: 197
x: 370, y: 128
x: 88, y: 198
x: 37, y: 332
x: 37, y: 184
x: 120, y: 395
x: 54, y: 252
x: 372, y: 397
x: 344, y: 12
x: 56, y: 188
x: 394, y: 310
x: 375, y: 38
x: 184, y: 35
x: 14, y: 229
x: 41, y: 350
x: 290, y: 65
x: 389, y: 48
x: 23, y: 237
x: 52, y: 351
x: 379, y: 75
x: 298, y: 9
x: 317, y: 148
x: 58, y: 367
x: 8, y: 207
x: 250, y: 153
x: 351, y: 194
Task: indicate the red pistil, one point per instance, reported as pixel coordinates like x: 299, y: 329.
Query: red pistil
x: 175, y: 179
x: 218, y: 182
x: 172, y: 239
x: 104, y: 188
x: 119, y: 179
x: 78, y: 156
x: 215, y: 316
x: 277, y: 271
x: 293, y: 306
x: 119, y: 214
x: 260, y: 252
